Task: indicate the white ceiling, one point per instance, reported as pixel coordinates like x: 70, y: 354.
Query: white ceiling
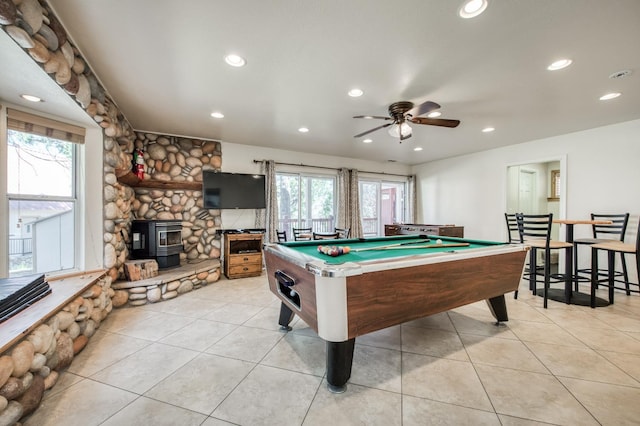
x: 162, y: 63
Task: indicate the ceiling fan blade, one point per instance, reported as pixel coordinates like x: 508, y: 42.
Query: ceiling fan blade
x: 442, y: 122
x: 372, y: 116
x: 403, y: 137
x: 424, y: 108
x: 373, y: 130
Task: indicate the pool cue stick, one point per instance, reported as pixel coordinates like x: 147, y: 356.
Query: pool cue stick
x: 393, y: 245
x: 418, y: 247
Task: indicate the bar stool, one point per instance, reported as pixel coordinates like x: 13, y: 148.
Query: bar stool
x: 602, y: 234
x: 535, y: 231
x: 612, y: 247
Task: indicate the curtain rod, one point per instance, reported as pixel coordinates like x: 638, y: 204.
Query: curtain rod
x: 331, y: 168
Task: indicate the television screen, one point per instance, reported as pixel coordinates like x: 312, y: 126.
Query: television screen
x: 233, y: 190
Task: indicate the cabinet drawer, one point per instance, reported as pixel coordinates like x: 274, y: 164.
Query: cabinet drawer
x: 240, y: 259
x: 246, y: 269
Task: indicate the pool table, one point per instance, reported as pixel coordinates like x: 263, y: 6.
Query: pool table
x: 385, y: 281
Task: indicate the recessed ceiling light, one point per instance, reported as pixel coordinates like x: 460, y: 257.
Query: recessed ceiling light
x: 472, y: 8
x: 235, y: 60
x: 217, y: 115
x: 434, y: 114
x: 354, y: 93
x: 488, y: 129
x: 303, y: 130
x: 559, y: 64
x: 621, y: 74
x: 608, y: 96
x: 367, y: 140
x: 417, y: 148
x: 31, y: 98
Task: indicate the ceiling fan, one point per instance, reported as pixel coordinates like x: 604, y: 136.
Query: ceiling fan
x: 402, y: 112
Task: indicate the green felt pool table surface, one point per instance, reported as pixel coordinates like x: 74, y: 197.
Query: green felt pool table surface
x: 410, y: 247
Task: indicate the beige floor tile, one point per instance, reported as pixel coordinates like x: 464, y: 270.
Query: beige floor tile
x: 610, y: 404
x: 515, y: 421
x: 628, y: 363
x: 246, y: 343
x: 138, y: 413
x: 123, y: 317
x: 269, y: 395
x: 142, y: 370
x: 201, y: 384
x: 544, y: 333
x: 522, y: 311
x: 423, y: 412
x: 483, y: 324
x: 377, y: 368
x: 66, y: 379
x: 199, y: 335
x: 233, y: 313
x: 187, y: 306
x: 500, y: 352
x: 268, y: 317
x: 358, y: 406
x: 569, y: 319
x: 389, y: 338
x: 103, y: 350
x: 443, y: 380
x: 608, y: 340
x: 216, y: 422
x: 533, y: 396
x: 439, y: 321
x: 433, y: 342
x: 85, y: 403
x: 579, y: 363
x: 156, y: 327
x: 299, y: 353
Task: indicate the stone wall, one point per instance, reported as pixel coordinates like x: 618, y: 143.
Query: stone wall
x: 34, y: 364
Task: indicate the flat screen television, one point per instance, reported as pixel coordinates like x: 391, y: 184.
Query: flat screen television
x: 233, y: 190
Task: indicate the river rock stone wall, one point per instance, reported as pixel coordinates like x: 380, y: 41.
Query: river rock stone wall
x: 34, y: 364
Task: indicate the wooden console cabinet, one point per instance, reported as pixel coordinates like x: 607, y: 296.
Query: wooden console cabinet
x: 242, y: 255
x: 412, y: 228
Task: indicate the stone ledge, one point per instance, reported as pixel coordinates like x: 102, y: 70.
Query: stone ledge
x: 169, y: 275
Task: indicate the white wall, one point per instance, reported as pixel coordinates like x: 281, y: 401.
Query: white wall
x: 601, y: 175
x: 237, y: 158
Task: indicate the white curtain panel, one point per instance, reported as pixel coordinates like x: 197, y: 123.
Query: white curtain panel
x: 412, y: 208
x: 268, y: 218
x: 342, y: 197
x: 353, y: 203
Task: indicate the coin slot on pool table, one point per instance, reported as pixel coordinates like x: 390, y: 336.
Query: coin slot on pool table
x: 285, y: 287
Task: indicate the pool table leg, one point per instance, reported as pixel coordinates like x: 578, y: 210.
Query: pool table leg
x: 339, y: 361
x: 286, y: 315
x: 498, y: 308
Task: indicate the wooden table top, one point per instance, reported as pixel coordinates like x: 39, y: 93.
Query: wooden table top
x: 582, y: 222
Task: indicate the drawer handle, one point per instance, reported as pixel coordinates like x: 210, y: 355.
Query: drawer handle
x: 245, y: 259
x: 245, y: 269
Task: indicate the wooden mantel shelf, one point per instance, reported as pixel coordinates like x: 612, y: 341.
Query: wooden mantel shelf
x: 133, y: 181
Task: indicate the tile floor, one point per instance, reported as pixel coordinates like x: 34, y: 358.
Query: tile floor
x: 215, y: 357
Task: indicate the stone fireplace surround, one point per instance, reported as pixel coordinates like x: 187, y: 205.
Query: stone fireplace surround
x: 29, y: 364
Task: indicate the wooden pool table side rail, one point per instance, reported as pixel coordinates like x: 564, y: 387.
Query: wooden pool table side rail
x: 421, y: 291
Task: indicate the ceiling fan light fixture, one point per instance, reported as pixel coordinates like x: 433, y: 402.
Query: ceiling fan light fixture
x: 400, y: 129
x: 472, y: 8
x: 559, y: 64
x: 355, y: 93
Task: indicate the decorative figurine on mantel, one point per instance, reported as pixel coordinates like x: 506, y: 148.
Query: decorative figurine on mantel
x: 138, y: 163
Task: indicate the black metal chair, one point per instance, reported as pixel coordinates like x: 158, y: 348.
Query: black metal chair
x: 535, y: 231
x: 612, y: 247
x: 325, y: 236
x: 343, y: 232
x: 513, y: 236
x: 603, y: 234
x: 302, y: 234
x: 282, y: 236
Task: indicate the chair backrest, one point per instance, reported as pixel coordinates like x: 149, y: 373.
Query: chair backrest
x: 343, y: 232
x: 535, y: 227
x: 617, y: 229
x: 282, y: 236
x: 325, y: 235
x: 513, y: 233
x: 302, y: 234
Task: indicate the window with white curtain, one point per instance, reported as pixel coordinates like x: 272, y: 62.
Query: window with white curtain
x: 381, y: 203
x: 306, y: 201
x: 41, y: 189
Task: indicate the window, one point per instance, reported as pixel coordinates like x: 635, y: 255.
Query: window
x: 41, y: 189
x: 306, y: 201
x: 381, y: 203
